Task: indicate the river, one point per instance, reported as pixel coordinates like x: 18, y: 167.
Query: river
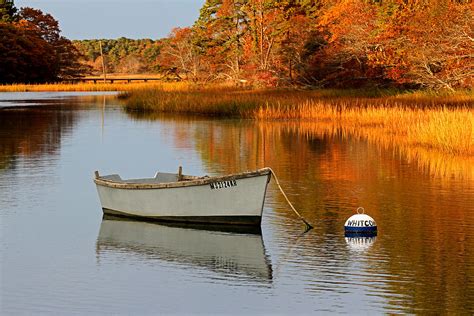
x: 59, y: 255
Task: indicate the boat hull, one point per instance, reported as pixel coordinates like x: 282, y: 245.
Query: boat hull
x: 211, y: 219
x: 226, y: 200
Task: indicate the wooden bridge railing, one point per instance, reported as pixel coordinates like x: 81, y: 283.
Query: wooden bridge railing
x: 118, y: 79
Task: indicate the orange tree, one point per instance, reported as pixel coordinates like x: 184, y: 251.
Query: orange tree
x: 32, y: 49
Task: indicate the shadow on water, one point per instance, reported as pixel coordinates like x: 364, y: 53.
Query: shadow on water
x: 236, y: 253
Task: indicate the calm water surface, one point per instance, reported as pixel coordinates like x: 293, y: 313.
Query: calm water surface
x: 58, y: 255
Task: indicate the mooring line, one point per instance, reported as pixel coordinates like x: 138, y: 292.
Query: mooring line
x: 308, y: 225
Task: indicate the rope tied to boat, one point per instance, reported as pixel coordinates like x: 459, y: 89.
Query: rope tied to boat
x: 308, y: 225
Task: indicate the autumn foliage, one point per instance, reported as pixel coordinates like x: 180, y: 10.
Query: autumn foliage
x: 122, y: 55
x: 326, y: 43
x: 32, y: 49
x: 329, y: 43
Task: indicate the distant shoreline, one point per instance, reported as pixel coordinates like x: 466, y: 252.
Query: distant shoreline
x: 56, y: 87
x: 441, y: 122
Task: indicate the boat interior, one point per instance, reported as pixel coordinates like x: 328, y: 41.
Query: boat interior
x: 160, y: 177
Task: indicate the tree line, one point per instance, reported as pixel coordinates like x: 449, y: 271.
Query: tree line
x: 342, y: 43
x: 324, y: 43
x: 32, y: 49
x: 122, y: 55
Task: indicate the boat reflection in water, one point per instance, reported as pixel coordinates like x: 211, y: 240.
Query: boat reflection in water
x: 229, y: 250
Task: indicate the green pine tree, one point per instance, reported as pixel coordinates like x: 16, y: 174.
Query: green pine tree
x: 7, y: 11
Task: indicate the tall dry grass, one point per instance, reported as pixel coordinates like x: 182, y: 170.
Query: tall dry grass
x: 449, y: 130
x: 433, y: 121
x: 117, y: 86
x: 444, y: 123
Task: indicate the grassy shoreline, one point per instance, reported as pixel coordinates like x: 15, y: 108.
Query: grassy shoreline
x: 284, y: 103
x: 440, y: 122
x: 443, y: 122
x: 60, y: 87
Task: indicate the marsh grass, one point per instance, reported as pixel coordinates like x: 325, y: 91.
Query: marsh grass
x: 117, y: 86
x: 441, y: 122
x: 433, y: 121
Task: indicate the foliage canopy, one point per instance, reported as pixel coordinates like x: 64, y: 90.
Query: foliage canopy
x: 32, y: 49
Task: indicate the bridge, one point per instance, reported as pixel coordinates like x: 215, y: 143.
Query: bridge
x: 118, y: 79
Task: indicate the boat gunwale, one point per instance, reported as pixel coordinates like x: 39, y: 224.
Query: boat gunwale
x: 191, y: 181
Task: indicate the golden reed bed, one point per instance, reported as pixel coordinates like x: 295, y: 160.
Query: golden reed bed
x: 447, y: 130
x: 117, y: 86
x: 419, y: 123
x: 444, y: 123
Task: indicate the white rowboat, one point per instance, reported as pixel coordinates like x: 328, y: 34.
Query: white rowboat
x: 231, y: 199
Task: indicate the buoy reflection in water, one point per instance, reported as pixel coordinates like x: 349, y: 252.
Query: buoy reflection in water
x: 360, y: 243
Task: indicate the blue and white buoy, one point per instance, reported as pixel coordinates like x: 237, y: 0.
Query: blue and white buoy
x: 360, y: 224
